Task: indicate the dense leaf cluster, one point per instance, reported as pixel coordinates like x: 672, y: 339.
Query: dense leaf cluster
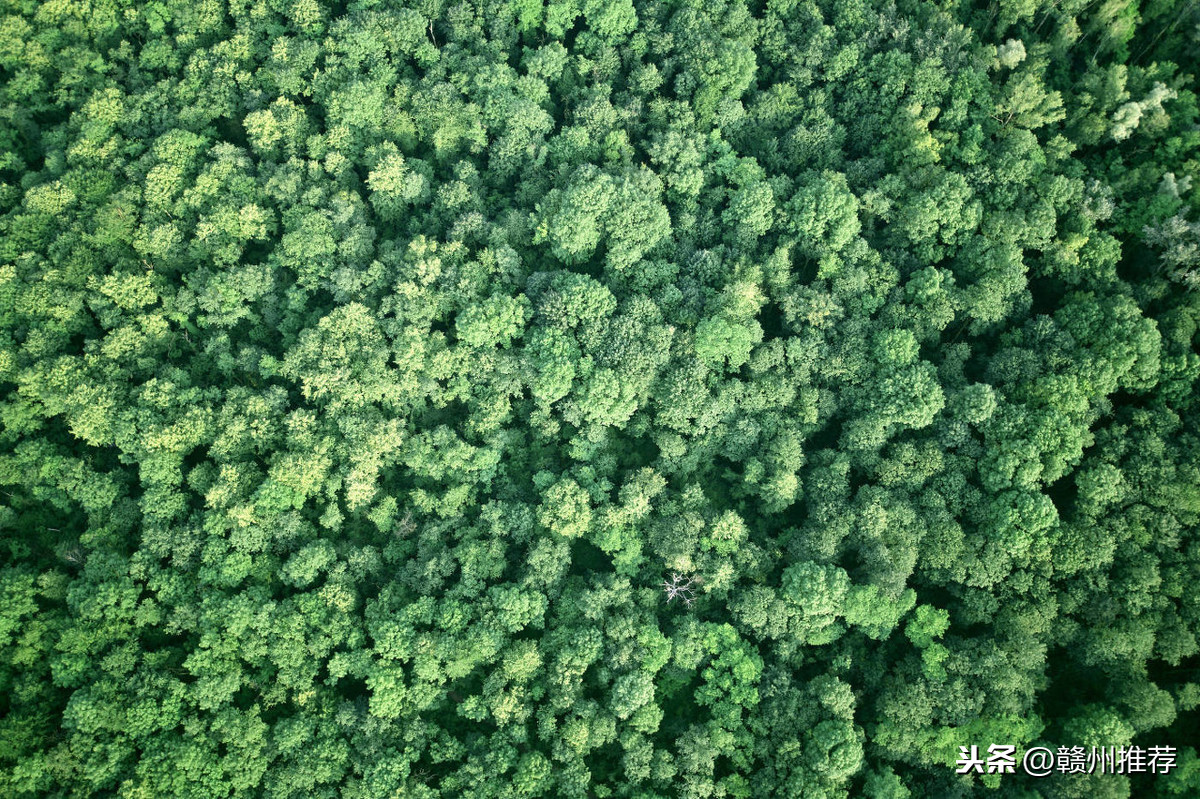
x: 368, y: 369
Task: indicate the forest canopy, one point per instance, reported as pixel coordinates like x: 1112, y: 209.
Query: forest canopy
x: 597, y: 398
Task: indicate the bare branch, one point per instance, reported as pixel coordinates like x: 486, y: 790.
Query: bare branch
x: 677, y: 586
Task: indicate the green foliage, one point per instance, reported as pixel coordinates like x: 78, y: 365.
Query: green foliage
x: 596, y: 398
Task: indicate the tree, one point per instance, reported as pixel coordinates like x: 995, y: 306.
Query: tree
x: 595, y: 398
